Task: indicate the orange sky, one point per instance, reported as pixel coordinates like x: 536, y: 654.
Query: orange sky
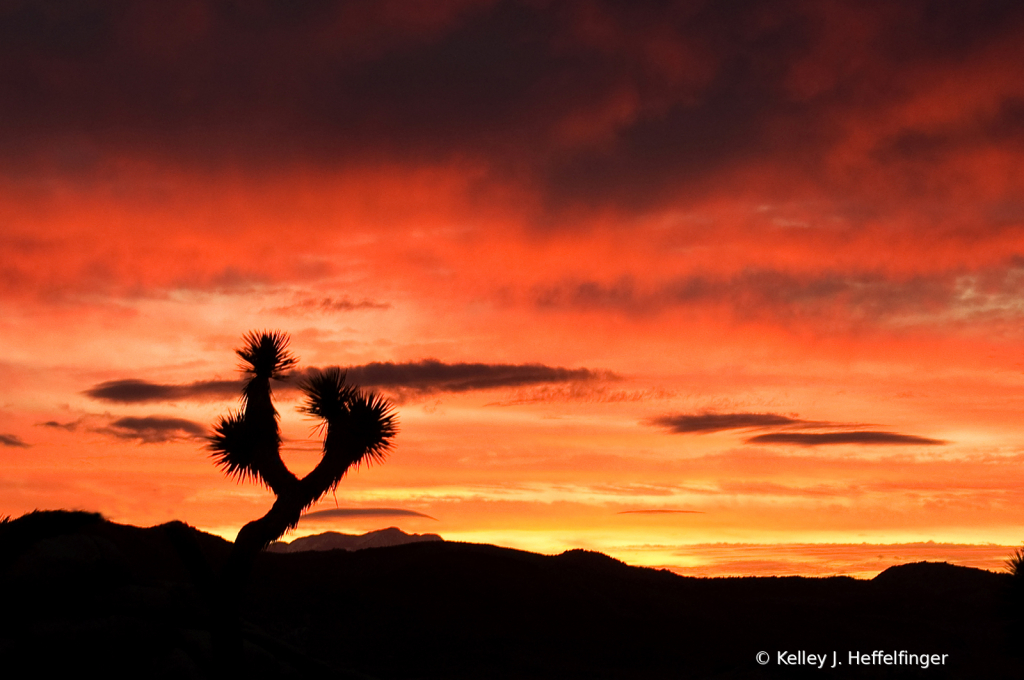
x: 763, y: 264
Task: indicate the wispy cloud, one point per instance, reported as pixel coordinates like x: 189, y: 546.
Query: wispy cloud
x: 660, y: 512
x: 70, y: 426
x: 759, y: 293
x: 862, y: 560
x: 589, y: 393
x: 13, y: 440
x: 343, y: 513
x: 329, y: 305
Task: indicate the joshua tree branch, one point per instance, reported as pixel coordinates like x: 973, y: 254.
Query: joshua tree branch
x: 265, y: 437
x: 359, y: 426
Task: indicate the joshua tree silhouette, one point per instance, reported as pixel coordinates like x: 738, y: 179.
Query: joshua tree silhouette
x: 357, y: 426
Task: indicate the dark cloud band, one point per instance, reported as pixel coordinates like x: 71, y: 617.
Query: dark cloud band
x: 13, y: 440
x: 787, y: 429
x: 426, y: 376
x: 717, y: 422
x: 697, y: 90
x: 828, y: 438
x: 132, y: 391
x: 153, y: 429
x: 434, y: 376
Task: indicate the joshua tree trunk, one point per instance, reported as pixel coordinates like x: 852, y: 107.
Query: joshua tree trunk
x: 358, y: 427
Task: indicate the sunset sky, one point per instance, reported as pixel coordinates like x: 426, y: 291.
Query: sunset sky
x: 723, y: 287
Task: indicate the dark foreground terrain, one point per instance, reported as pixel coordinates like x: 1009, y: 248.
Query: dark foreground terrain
x: 81, y: 594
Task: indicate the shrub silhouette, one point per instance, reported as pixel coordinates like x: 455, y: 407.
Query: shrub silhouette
x: 357, y: 426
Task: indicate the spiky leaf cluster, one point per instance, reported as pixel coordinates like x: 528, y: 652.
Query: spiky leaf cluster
x: 363, y: 424
x: 265, y: 354
x: 373, y: 424
x: 327, y: 395
x: 232, y: 446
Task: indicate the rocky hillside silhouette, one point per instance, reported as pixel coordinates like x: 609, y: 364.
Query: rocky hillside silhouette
x: 84, y: 594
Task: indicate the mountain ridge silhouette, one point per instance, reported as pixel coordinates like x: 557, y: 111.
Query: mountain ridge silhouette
x: 333, y: 540
x: 125, y: 600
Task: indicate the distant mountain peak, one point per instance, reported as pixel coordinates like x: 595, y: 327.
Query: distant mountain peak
x: 333, y: 540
